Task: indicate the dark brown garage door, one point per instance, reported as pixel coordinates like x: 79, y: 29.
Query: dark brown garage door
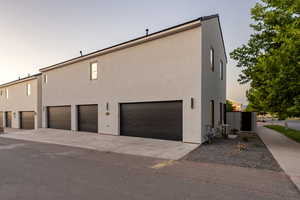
x: 8, y: 117
x: 59, y: 117
x: 27, y: 120
x: 1, y: 119
x: 159, y: 120
x: 88, y: 118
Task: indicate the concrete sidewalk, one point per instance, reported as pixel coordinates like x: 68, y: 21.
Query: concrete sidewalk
x: 284, y: 150
x: 163, y: 149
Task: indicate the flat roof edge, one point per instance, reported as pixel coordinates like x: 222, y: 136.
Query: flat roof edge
x: 130, y: 43
x: 35, y: 76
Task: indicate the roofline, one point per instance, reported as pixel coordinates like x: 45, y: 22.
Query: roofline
x: 222, y: 39
x: 165, y: 32
x: 20, y: 80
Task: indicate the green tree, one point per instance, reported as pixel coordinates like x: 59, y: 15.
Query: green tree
x: 252, y: 108
x: 229, y: 106
x: 270, y: 61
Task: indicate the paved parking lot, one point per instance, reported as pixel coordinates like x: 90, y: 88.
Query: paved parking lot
x: 118, y: 144
x: 34, y: 171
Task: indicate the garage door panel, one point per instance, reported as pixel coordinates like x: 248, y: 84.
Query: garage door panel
x: 27, y: 120
x: 88, y: 118
x: 160, y: 120
x: 59, y: 117
x: 8, y: 119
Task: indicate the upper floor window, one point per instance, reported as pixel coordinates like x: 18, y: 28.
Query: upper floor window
x: 45, y: 78
x: 221, y: 70
x: 6, y: 93
x: 1, y: 93
x: 28, y: 89
x: 212, y: 59
x: 94, y: 71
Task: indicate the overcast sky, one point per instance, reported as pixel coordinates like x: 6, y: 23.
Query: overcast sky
x: 36, y: 34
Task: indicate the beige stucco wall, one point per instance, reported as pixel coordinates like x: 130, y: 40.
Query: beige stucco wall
x: 19, y: 101
x: 212, y: 87
x: 165, y: 69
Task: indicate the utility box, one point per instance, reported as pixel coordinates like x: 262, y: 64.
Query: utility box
x: 242, y: 121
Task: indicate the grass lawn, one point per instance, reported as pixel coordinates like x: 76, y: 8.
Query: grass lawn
x: 291, y: 133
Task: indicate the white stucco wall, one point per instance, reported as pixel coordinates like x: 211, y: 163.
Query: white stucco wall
x: 212, y: 87
x: 164, y: 69
x: 19, y: 101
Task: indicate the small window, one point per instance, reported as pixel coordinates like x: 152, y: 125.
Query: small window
x: 28, y: 89
x: 94, y: 71
x: 212, y: 113
x: 45, y: 78
x: 212, y: 59
x: 6, y: 92
x: 1, y: 92
x: 221, y: 70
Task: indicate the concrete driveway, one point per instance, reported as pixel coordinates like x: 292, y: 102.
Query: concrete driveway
x: 163, y: 149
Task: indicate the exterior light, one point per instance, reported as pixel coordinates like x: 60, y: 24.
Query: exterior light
x: 192, y: 103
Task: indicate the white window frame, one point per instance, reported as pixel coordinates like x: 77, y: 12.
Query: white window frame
x: 221, y: 70
x: 28, y: 89
x: 92, y: 78
x: 212, y: 58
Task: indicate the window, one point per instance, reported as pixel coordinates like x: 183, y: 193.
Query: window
x: 221, y: 113
x: 94, y: 71
x: 212, y: 113
x: 28, y: 89
x: 221, y: 70
x: 6, y: 92
x: 45, y: 78
x: 1, y: 92
x: 212, y: 59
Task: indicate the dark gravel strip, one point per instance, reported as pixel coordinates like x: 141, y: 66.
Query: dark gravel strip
x: 228, y: 152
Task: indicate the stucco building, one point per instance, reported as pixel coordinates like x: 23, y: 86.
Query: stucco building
x: 164, y: 85
x: 20, y: 103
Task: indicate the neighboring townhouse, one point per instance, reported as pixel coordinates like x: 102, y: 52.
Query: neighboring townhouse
x: 20, y: 103
x: 165, y: 85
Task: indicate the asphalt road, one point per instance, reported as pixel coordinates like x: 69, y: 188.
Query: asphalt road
x: 35, y: 171
x: 294, y: 124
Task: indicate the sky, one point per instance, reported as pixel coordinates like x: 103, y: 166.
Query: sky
x: 36, y: 34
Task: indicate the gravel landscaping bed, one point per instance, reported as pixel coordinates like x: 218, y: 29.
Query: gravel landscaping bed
x: 247, y: 150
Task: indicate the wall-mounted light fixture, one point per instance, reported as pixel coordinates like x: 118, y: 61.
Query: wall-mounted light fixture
x: 107, y: 106
x: 192, y: 103
x: 107, y: 109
